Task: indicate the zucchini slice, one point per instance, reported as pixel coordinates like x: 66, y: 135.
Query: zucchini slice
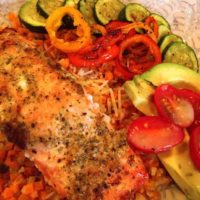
x: 168, y: 39
x: 181, y: 53
x: 161, y: 20
x: 162, y: 32
x: 107, y: 10
x: 134, y: 12
x: 72, y: 3
x: 46, y: 7
x: 29, y: 16
x: 87, y: 9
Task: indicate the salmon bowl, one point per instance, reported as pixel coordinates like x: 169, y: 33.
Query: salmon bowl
x: 65, y: 121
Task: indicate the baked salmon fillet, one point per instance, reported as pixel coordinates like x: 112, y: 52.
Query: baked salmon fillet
x: 46, y: 112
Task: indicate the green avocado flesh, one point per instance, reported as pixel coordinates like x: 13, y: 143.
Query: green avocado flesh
x: 140, y: 92
x: 177, y: 161
x: 179, y: 165
x: 175, y: 74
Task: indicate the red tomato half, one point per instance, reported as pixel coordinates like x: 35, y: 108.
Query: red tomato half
x: 195, y: 147
x: 153, y: 134
x: 194, y: 98
x: 173, y: 106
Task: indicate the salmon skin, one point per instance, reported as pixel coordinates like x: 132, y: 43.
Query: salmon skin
x: 61, y: 129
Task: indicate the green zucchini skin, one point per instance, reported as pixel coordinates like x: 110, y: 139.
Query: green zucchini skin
x: 160, y: 20
x: 31, y: 19
x: 72, y: 3
x: 107, y: 10
x: 86, y: 7
x: 46, y: 7
x: 181, y: 53
x: 41, y: 11
x: 35, y: 29
x: 162, y: 32
x: 134, y: 12
x: 168, y: 39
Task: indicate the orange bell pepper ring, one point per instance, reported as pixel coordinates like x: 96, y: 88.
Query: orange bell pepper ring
x: 54, y: 22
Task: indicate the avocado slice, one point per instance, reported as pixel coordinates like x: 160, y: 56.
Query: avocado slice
x: 140, y: 92
x: 179, y: 165
x: 175, y: 74
x: 177, y: 161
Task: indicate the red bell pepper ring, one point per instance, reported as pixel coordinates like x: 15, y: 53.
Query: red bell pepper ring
x: 115, y: 24
x: 134, y: 65
x: 122, y: 72
x: 103, y: 50
x: 151, y: 21
x: 111, y: 38
x: 94, y: 58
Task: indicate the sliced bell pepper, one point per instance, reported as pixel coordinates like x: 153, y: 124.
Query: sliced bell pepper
x: 144, y: 62
x: 139, y: 25
x: 54, y: 22
x: 95, y: 57
x: 122, y: 72
x: 103, y: 50
x: 115, y: 24
x: 151, y: 21
x: 99, y: 28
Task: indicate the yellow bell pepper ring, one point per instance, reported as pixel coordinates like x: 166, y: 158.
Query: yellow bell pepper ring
x: 54, y: 22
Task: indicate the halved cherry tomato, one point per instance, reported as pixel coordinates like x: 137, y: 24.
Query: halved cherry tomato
x: 173, y: 106
x: 195, y: 146
x: 103, y: 50
x: 153, y: 134
x: 194, y: 99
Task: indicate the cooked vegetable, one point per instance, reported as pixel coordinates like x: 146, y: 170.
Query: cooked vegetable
x: 107, y: 10
x: 172, y: 106
x: 143, y: 60
x: 134, y: 12
x: 162, y: 32
x: 97, y: 28
x: 181, y: 53
x: 94, y: 57
x: 103, y: 50
x: 46, y: 7
x: 83, y: 30
x: 167, y: 40
x: 195, y: 147
x: 31, y: 18
x: 161, y: 20
x: 115, y: 24
x: 122, y: 72
x: 139, y: 25
x: 150, y: 21
x: 72, y: 3
x: 87, y: 9
x: 153, y: 134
